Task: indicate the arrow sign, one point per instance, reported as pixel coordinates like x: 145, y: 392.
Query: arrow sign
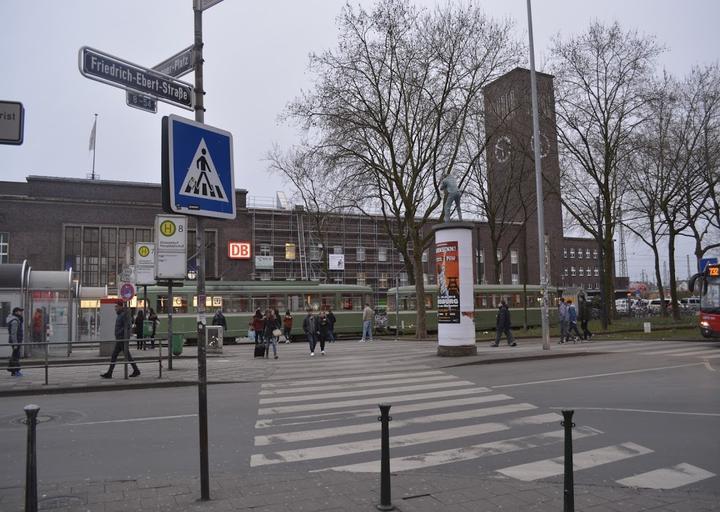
x: 117, y: 72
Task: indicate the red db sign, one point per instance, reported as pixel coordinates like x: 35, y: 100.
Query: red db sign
x: 239, y: 250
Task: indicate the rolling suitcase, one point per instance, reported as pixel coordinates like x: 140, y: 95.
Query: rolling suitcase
x: 260, y: 350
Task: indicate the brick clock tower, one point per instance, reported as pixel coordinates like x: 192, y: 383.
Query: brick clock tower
x: 511, y: 165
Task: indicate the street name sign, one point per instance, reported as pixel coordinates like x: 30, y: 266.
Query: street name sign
x: 12, y: 116
x: 201, y: 5
x: 170, y: 247
x: 176, y: 66
x: 197, y: 169
x: 117, y: 72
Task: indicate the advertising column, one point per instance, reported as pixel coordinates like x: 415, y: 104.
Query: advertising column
x: 454, y: 270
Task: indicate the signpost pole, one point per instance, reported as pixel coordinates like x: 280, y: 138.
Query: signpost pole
x: 200, y: 248
x: 170, y: 323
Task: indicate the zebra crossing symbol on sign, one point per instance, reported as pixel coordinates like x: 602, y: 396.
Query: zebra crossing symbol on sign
x: 201, y: 179
x: 198, y: 176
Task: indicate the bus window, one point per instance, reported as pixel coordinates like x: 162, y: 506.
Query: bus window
x: 428, y: 301
x: 278, y: 302
x: 295, y: 303
x: 259, y: 302
x: 352, y: 302
x: 237, y: 305
x: 311, y: 301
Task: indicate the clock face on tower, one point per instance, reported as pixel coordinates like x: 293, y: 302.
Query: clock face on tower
x: 502, y: 149
x: 544, y: 145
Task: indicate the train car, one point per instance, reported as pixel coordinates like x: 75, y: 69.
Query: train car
x: 524, y: 302
x: 240, y: 299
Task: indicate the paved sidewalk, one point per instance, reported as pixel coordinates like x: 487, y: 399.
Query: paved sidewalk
x: 266, y: 491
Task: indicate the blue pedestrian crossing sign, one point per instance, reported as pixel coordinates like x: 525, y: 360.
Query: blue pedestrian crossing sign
x: 197, y: 169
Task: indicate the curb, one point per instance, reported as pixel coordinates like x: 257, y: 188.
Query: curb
x: 523, y: 358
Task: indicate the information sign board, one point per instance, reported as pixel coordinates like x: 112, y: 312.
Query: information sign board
x: 144, y: 263
x: 12, y: 116
x: 170, y: 247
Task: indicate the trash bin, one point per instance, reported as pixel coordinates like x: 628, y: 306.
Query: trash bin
x: 177, y: 344
x: 214, y: 339
x: 147, y: 329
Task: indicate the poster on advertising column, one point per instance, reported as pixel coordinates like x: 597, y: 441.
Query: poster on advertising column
x: 448, y: 277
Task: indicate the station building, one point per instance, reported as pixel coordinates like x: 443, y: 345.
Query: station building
x: 90, y: 226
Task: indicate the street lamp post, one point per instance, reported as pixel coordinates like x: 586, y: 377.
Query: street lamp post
x: 538, y: 187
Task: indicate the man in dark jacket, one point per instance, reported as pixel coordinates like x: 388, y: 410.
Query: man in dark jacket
x: 502, y: 325
x: 15, y: 338
x: 310, y: 329
x: 331, y: 323
x: 122, y: 333
x: 219, y: 319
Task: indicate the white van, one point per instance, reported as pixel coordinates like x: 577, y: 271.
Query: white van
x: 691, y: 303
x: 654, y: 305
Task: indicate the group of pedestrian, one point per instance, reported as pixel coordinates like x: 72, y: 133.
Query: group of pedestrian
x: 267, y: 328
x: 319, y: 328
x: 568, y: 317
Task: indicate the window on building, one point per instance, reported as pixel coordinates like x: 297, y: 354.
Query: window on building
x: 424, y: 256
x: 566, y: 271
x: 481, y: 266
x: 403, y: 279
x: 264, y: 276
x: 360, y: 253
x: 588, y: 272
x: 290, y: 253
x: 564, y: 252
x: 597, y: 272
x: 383, y: 280
x: 314, y: 253
x: 361, y: 278
x: 500, y: 267
x: 338, y: 249
x: 572, y: 252
x: 595, y: 254
x: 382, y: 253
x: 572, y: 271
x: 514, y: 266
x: 265, y: 250
x: 581, y: 272
x: 587, y: 253
x: 4, y: 247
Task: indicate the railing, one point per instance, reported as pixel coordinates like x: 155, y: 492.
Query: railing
x: 47, y: 363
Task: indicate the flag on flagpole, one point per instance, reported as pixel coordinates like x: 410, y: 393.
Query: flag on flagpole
x: 92, y: 136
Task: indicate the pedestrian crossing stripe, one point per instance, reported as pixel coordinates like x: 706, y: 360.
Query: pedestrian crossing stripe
x: 667, y: 478
x: 202, y: 180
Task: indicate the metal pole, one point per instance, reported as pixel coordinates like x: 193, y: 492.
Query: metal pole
x: 200, y: 259
x: 170, y: 323
x: 568, y: 492
x: 538, y: 188
x: 385, y: 419
x: 31, y: 502
x: 397, y: 307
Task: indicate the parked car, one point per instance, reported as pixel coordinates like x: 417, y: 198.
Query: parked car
x: 655, y: 305
x: 690, y: 303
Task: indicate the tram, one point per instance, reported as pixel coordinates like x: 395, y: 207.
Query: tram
x: 524, y: 301
x: 240, y: 299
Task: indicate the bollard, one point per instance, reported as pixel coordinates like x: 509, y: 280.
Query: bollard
x: 568, y: 493
x: 31, y: 502
x: 385, y: 418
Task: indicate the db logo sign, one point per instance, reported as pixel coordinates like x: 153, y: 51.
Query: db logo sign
x: 239, y: 250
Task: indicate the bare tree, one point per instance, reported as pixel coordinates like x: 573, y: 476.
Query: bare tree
x: 601, y: 102
x: 391, y: 106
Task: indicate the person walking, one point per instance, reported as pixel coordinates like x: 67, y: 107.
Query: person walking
x: 287, y: 325
x: 331, y: 321
x: 323, y: 330
x: 153, y: 318
x: 572, y: 321
x: 584, y: 315
x: 563, y: 318
x: 122, y: 334
x: 258, y: 324
x: 38, y: 327
x: 272, y: 326
x: 16, y: 333
x: 310, y: 330
x: 368, y: 315
x: 139, y: 321
x: 503, y: 325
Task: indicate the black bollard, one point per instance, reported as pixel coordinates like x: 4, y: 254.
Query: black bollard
x: 31, y: 502
x: 385, y: 418
x: 568, y: 493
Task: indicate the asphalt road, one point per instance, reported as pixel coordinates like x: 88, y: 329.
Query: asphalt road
x: 662, y: 411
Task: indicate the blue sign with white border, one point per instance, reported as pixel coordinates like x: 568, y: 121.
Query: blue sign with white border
x: 197, y: 177
x: 704, y: 262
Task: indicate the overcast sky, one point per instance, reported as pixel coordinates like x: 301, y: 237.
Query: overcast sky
x: 256, y: 56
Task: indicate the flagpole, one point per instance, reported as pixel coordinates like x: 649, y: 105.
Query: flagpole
x: 94, y: 136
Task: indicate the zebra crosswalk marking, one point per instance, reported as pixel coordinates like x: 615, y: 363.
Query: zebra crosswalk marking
x: 708, y: 351
x: 288, y: 409
x: 340, y: 380
x: 364, y: 392
x: 335, y: 372
x: 360, y: 413
x: 667, y: 478
x: 583, y: 460
x: 368, y: 384
x: 326, y: 433
x: 466, y: 453
x: 430, y: 436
